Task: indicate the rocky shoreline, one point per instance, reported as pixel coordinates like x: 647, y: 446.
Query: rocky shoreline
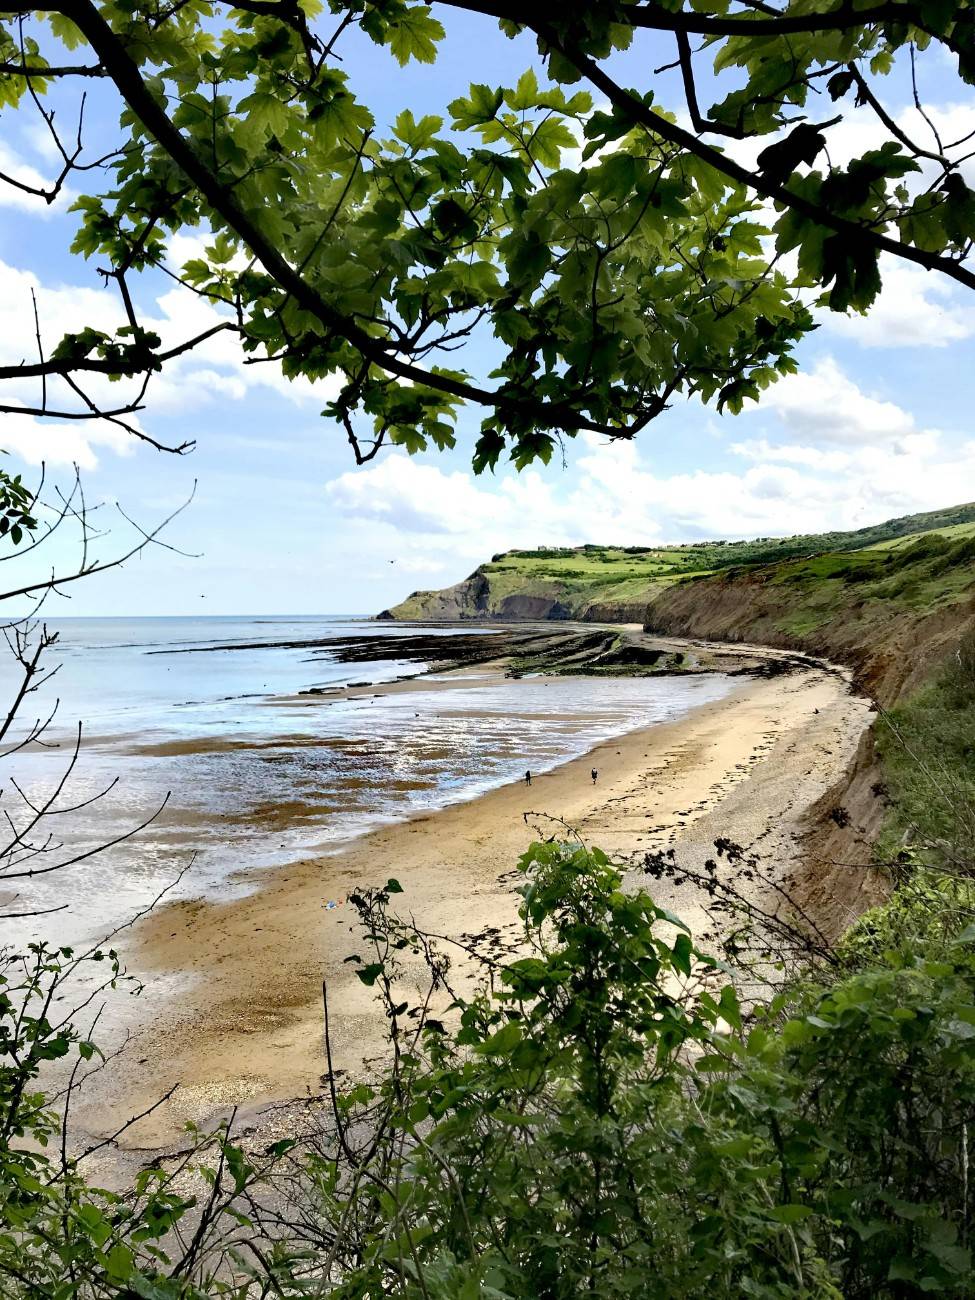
x: 567, y: 649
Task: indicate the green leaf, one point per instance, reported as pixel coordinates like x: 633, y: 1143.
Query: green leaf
x: 548, y: 140
x: 729, y: 1007
x: 525, y: 94
x: 66, y: 31
x: 417, y: 135
x: 503, y: 1042
x: 414, y: 35
x: 790, y: 1214
x: 481, y: 106
x: 682, y: 952
x: 488, y: 450
x: 119, y: 1263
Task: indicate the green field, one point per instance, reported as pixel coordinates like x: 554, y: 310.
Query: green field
x: 615, y: 581
x: 627, y: 572
x: 921, y: 573
x: 615, y: 573
x: 620, y: 564
x: 952, y: 532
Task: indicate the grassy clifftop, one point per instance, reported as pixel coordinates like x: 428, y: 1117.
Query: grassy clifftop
x: 891, y: 612
x: 606, y: 583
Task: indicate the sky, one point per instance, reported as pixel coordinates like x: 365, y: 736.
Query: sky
x: 878, y: 422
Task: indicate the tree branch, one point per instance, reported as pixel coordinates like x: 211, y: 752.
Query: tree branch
x: 127, y: 77
x: 36, y: 70
x: 108, y: 366
x: 626, y: 101
x: 652, y: 17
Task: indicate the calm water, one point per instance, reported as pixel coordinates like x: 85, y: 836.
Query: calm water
x: 258, y: 775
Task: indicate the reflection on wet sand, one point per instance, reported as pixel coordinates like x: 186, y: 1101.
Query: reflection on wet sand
x: 286, y: 776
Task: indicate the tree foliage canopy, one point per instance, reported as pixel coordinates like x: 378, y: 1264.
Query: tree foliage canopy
x: 616, y: 252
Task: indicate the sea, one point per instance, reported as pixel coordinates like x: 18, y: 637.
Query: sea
x: 202, y: 766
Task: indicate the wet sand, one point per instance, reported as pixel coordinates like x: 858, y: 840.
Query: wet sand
x: 233, y: 1007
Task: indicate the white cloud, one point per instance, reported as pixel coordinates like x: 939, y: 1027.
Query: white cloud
x: 36, y: 136
x: 838, y: 458
x: 861, y: 130
x: 11, y: 196
x: 214, y: 371
x: 411, y: 564
x: 38, y: 441
x: 183, y: 384
x: 916, y: 308
x: 183, y: 246
x: 824, y: 405
x: 451, y: 508
x: 619, y: 497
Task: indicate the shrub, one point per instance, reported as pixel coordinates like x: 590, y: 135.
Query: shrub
x: 599, y: 1118
x: 927, y: 744
x: 959, y: 554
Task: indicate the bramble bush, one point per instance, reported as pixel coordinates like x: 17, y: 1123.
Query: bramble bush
x: 927, y: 744
x: 600, y: 1117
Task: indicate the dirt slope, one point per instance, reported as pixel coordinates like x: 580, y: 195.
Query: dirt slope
x: 893, y: 618
x: 892, y: 646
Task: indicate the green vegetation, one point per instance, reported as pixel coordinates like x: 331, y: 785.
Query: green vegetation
x: 952, y: 532
x: 615, y: 254
x: 702, y: 557
x: 877, y: 584
x: 602, y: 1118
x: 910, y: 562
x: 927, y: 744
x: 17, y: 503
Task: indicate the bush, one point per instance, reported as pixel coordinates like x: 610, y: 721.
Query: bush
x: 959, y: 554
x: 925, y: 548
x: 605, y: 1124
x: 600, y: 1118
x: 925, y: 912
x: 927, y: 745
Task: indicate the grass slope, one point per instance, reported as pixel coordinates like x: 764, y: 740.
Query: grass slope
x: 892, y: 612
x: 598, y: 580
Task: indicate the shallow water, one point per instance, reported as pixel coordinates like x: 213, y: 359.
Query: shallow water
x: 259, y: 775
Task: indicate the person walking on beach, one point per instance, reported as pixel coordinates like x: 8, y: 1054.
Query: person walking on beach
x: 528, y: 778
x: 594, y: 775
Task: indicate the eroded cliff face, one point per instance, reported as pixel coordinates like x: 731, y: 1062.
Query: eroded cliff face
x: 836, y: 883
x: 614, y: 612
x: 475, y: 598
x: 892, y: 652
x: 891, y: 649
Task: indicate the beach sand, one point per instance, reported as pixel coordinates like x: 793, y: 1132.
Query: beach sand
x: 232, y: 1012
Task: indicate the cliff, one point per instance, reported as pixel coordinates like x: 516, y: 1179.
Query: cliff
x: 615, y: 584
x: 893, y: 616
x: 598, y: 585
x: 890, y: 615
x: 891, y: 612
x: 892, y: 609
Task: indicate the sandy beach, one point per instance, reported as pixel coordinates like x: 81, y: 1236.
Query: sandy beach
x: 232, y: 1013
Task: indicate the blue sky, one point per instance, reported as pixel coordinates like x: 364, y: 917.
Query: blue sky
x: 877, y: 424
